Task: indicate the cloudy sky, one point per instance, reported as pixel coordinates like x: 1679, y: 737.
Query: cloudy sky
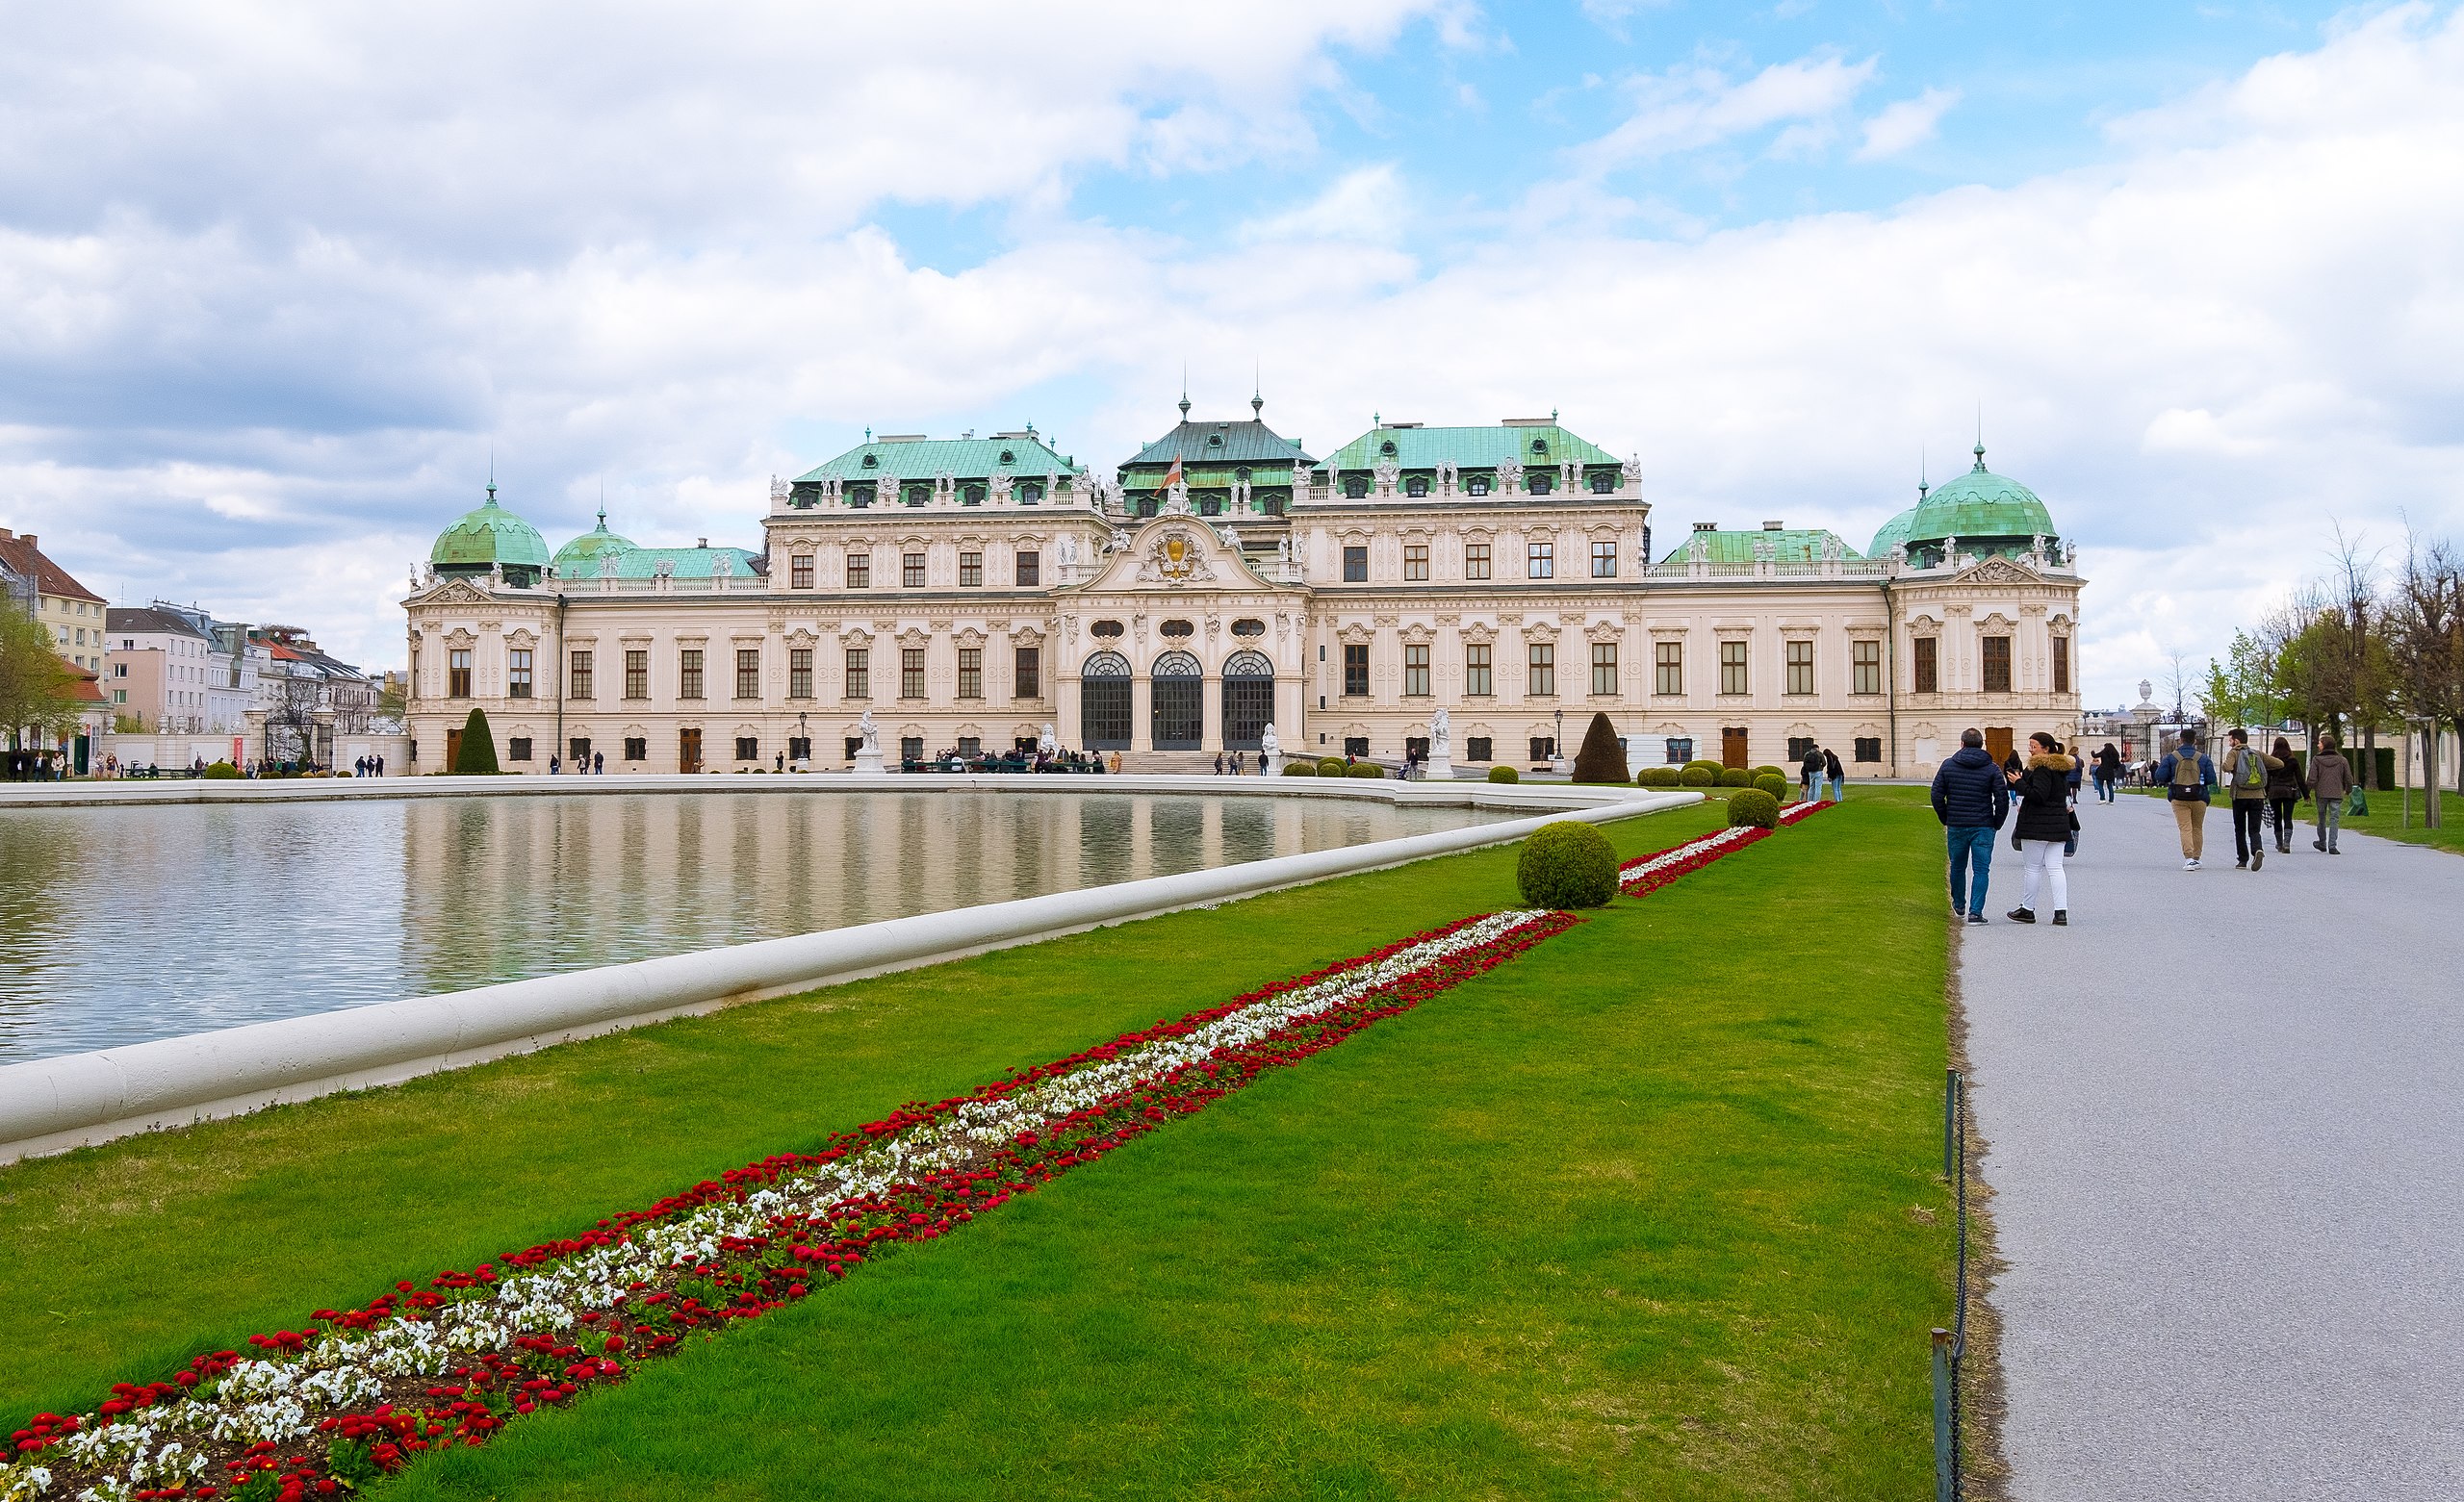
x: 277, y: 279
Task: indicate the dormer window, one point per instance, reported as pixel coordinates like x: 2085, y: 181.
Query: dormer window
x: 971, y: 496
x: 1540, y: 484
x: 1539, y: 445
x: 1356, y: 487
x: 1417, y: 485
x: 1387, y: 448
x: 871, y: 460
x: 1214, y: 440
x: 1007, y: 457
x: 1604, y: 482
x: 1030, y: 491
x: 1242, y: 474
x: 918, y: 494
x: 1476, y: 485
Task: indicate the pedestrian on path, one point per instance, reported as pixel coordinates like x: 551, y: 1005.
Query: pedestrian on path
x: 2108, y: 772
x: 1971, y: 797
x: 2330, y: 781
x: 1837, y: 773
x: 2245, y: 776
x: 2189, y: 780
x: 2284, y: 790
x: 1809, y: 775
x: 2042, y: 829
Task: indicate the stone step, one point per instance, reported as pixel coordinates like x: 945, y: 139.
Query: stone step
x: 1177, y: 763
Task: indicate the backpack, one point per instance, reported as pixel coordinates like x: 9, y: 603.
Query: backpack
x: 2250, y: 773
x: 2186, y: 769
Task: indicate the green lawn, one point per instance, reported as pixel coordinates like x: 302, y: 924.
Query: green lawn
x: 1649, y: 1210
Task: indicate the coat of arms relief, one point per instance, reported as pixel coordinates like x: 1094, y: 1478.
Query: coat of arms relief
x: 1176, y: 557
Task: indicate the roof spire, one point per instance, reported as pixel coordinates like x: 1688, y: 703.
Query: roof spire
x: 1185, y: 391
x: 1980, y: 438
x: 492, y: 474
x: 1921, y: 486
x: 1257, y: 392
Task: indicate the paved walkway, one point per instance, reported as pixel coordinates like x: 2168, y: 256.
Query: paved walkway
x: 2225, y: 1124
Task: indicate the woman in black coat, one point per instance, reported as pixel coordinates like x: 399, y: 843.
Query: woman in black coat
x: 2042, y: 826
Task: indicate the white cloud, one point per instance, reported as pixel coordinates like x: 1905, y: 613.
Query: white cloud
x: 1906, y: 123
x: 1365, y: 204
x: 1695, y: 106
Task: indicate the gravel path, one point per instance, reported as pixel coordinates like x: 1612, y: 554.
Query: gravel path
x: 2224, y: 1116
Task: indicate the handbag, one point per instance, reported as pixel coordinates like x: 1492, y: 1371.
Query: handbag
x: 2070, y: 845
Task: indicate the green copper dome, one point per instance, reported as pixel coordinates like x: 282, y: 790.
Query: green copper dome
x: 579, y: 558
x: 1987, y: 512
x: 487, y: 538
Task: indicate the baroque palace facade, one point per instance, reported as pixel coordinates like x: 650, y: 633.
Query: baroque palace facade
x: 971, y: 592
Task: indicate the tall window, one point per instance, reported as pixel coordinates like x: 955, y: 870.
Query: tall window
x: 1997, y: 664
x: 1734, y: 676
x: 1356, y: 669
x: 970, y: 571
x: 1603, y: 559
x: 1604, y: 666
x: 1864, y: 667
x: 1476, y: 671
x: 2061, y: 665
x: 800, y: 672
x: 1416, y: 561
x: 1355, y: 566
x: 1029, y: 681
x: 690, y: 672
x: 748, y: 748
x: 1543, y: 560
x: 637, y: 747
x: 911, y: 570
x: 748, y: 673
x: 1800, y: 679
x: 911, y: 672
x: 577, y: 681
x: 517, y: 684
x: 860, y: 570
x: 1030, y: 568
x: 971, y: 672
x: 1476, y: 560
x: 1668, y: 667
x: 1869, y: 747
x: 457, y: 673
x: 800, y: 571
x: 859, y: 673
x: 1928, y: 659
x: 1416, y: 669
x: 637, y: 678
x: 1543, y: 678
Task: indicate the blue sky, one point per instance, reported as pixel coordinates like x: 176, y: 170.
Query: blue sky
x: 275, y: 280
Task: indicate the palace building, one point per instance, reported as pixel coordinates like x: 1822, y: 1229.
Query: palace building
x: 971, y: 592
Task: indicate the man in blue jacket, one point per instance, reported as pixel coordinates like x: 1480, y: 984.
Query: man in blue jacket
x: 1971, y: 797
x: 2188, y: 778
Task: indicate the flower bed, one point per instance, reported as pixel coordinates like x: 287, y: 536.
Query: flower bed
x: 1796, y: 812
x: 1649, y: 872
x: 356, y: 1393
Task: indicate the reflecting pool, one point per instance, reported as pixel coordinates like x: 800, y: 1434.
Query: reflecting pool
x: 120, y: 925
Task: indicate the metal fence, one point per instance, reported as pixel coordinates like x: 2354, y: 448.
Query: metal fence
x: 1950, y: 1346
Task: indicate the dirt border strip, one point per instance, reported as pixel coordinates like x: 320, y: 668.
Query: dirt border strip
x: 1984, y: 1401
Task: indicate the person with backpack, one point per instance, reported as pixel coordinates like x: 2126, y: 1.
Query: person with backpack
x: 2330, y: 779
x: 2189, y: 780
x: 1810, y: 776
x: 1970, y: 797
x: 2107, y: 772
x: 2245, y: 776
x: 2043, y: 829
x: 2284, y: 790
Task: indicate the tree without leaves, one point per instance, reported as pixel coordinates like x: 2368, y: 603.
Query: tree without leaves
x: 2423, y: 622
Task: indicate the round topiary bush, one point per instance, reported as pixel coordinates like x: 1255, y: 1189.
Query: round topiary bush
x: 1505, y: 775
x: 1657, y: 777
x: 1776, y: 785
x: 1331, y: 767
x: 1567, y: 865
x: 1711, y: 767
x: 1698, y: 776
x: 1300, y: 769
x: 220, y: 770
x: 1750, y: 805
x: 1736, y: 777
x: 1366, y: 769
x: 1769, y: 772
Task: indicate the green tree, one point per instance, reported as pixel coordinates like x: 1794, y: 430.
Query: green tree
x: 35, y: 685
x: 1601, y: 759
x: 477, y: 753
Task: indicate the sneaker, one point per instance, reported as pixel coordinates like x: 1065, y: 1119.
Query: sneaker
x: 2317, y: 845
x: 2332, y: 850
x: 2020, y: 915
x: 2258, y: 858
x: 2244, y: 864
x: 1976, y: 917
x: 2191, y: 864
x: 2062, y: 917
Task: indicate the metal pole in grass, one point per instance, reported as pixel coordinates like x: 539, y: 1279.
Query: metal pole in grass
x: 1950, y: 1125
x: 1943, y: 1464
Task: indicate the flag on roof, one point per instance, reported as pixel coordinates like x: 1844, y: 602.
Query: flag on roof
x: 1173, y: 476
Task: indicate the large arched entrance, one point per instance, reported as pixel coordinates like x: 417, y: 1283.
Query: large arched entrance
x: 1248, y: 700
x: 1103, y: 703
x: 1179, y: 687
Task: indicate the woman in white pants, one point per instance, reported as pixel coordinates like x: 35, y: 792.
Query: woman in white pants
x: 2042, y: 826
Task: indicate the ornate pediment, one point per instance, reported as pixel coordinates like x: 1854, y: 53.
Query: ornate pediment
x: 456, y: 591
x: 1173, y: 552
x: 2000, y: 571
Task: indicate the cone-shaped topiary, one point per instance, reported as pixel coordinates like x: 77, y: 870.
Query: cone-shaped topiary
x: 1736, y: 777
x: 1601, y: 759
x: 1698, y: 776
x: 1774, y: 784
x: 1567, y: 864
x: 1505, y: 775
x: 1301, y: 769
x: 1750, y: 805
x: 478, y: 754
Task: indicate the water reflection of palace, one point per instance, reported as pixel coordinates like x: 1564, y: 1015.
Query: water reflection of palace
x: 971, y: 592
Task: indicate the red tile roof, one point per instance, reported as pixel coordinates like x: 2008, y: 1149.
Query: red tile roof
x: 23, y: 557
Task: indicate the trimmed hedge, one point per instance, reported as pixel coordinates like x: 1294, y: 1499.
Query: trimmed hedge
x: 1711, y: 767
x: 1770, y: 772
x: 1300, y: 769
x: 1698, y: 776
x: 1567, y: 865
x: 1657, y: 777
x: 1505, y: 775
x: 478, y: 756
x: 1774, y: 784
x: 1366, y: 769
x: 1331, y: 767
x: 1601, y: 759
x: 220, y: 770
x: 1736, y: 777
x: 1755, y: 807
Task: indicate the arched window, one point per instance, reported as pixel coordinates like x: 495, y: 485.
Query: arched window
x: 1356, y: 487
x: 1478, y: 485
x: 1179, y: 693
x: 918, y: 494
x: 1029, y: 492
x: 1417, y: 485
x: 971, y: 496
x: 1103, y: 701
x: 1603, y: 481
x: 1248, y: 699
x: 1539, y: 482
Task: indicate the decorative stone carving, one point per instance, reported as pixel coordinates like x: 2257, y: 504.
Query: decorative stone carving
x: 1387, y: 471
x: 1509, y: 475
x: 779, y: 490
x: 1001, y: 485
x: 1634, y: 471
x: 868, y: 743
x: 1269, y: 746
x: 1044, y: 741
x: 1176, y: 558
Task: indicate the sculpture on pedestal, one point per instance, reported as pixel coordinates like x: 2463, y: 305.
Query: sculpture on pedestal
x: 1268, y: 746
x: 1441, y: 745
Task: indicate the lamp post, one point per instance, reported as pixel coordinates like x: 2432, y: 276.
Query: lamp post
x: 1557, y: 744
x: 803, y: 740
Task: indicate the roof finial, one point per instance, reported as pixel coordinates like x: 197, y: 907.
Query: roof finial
x: 1921, y: 486
x: 1185, y: 391
x: 1257, y: 391
x: 1980, y: 438
x: 492, y: 474
x: 603, y: 503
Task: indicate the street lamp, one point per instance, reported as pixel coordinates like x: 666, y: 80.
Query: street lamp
x: 1557, y: 744
x: 804, y: 737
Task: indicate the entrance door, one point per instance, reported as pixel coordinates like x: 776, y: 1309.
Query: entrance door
x: 1103, y: 703
x: 1248, y: 700
x: 1732, y: 746
x: 1180, y: 702
x: 688, y: 751
x: 1997, y: 742
x: 452, y: 749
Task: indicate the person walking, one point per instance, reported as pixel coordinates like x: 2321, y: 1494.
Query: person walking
x: 1837, y: 773
x: 1970, y: 797
x: 1809, y: 775
x: 2043, y: 829
x: 2107, y: 772
x: 2330, y: 779
x: 2189, y: 780
x: 2246, y: 776
x: 2284, y: 790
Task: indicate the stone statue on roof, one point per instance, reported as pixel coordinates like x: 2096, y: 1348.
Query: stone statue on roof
x: 779, y: 492
x: 1000, y: 485
x: 1634, y: 471
x: 1509, y: 474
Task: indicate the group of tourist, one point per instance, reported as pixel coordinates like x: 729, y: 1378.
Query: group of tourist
x: 1973, y: 796
x: 1820, y: 773
x: 369, y: 767
x: 1239, y: 764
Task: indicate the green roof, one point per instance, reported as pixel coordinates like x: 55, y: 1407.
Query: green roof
x: 1788, y: 544
x: 688, y: 563
x: 1979, y: 506
x: 490, y: 535
x: 1026, y: 456
x: 1246, y: 442
x: 579, y: 558
x: 1467, y: 448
